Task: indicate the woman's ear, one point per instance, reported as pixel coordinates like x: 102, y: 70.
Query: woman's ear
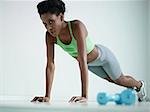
x: 61, y: 17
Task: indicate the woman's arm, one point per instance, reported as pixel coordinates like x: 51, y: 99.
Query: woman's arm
x: 50, y: 68
x: 80, y: 33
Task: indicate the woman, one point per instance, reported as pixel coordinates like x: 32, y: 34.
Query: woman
x: 73, y: 37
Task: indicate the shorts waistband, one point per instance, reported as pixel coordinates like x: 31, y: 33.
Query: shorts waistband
x: 100, y: 56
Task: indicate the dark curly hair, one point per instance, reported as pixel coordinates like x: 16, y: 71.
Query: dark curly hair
x: 52, y: 6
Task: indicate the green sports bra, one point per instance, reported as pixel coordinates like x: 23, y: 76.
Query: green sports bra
x: 72, y: 47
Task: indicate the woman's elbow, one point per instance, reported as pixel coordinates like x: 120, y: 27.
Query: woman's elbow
x: 50, y: 66
x: 82, y: 59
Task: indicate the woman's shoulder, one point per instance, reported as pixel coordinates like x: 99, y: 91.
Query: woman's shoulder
x: 76, y: 22
x: 78, y: 26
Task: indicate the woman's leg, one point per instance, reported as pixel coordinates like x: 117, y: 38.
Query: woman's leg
x: 130, y: 82
x: 112, y: 67
x: 126, y: 81
x: 110, y: 70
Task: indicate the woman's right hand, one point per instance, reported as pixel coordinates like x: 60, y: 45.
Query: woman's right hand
x: 40, y: 99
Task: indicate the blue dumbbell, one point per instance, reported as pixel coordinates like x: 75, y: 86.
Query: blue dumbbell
x: 127, y: 97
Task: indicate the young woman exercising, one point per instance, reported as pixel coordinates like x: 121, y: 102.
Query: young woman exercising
x: 73, y: 37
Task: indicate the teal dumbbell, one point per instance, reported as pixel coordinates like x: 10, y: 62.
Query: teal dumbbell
x: 127, y: 97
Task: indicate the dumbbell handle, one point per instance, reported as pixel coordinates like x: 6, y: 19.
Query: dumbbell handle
x: 115, y: 97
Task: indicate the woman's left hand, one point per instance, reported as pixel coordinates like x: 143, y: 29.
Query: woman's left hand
x: 78, y: 99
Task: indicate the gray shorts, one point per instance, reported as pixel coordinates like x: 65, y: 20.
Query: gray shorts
x: 106, y: 64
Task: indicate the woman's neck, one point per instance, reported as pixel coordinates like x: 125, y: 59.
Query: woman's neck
x: 63, y: 28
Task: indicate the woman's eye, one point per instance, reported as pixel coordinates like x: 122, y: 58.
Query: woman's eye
x: 50, y: 22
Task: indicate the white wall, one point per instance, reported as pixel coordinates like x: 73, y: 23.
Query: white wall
x: 1, y: 48
x: 149, y: 43
x: 121, y: 26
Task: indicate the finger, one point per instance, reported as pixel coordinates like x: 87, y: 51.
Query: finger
x: 77, y: 99
x: 72, y: 99
x: 34, y: 99
x: 44, y: 99
x: 82, y: 101
x: 40, y: 99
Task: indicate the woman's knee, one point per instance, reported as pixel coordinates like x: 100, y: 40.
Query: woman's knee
x: 120, y: 80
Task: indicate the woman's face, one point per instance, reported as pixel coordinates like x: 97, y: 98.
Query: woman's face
x: 52, y: 23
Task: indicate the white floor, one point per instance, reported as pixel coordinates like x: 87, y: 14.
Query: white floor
x: 27, y: 106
